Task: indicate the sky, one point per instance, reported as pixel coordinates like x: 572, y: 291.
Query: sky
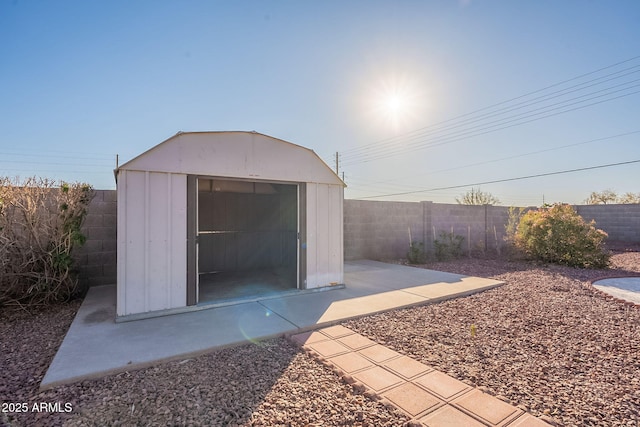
x: 422, y: 100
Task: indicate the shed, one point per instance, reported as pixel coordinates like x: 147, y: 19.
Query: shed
x: 212, y: 216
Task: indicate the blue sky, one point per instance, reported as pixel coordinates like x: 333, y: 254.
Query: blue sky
x: 400, y: 89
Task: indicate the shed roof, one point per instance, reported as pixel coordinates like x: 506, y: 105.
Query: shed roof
x: 234, y: 154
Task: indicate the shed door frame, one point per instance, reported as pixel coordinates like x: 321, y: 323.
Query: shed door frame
x: 192, y: 231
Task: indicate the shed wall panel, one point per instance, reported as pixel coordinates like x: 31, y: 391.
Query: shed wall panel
x: 133, y: 282
x: 156, y: 241
x: 121, y: 272
x: 336, y: 234
x: 311, y: 238
x: 151, y: 242
x: 177, y: 226
x: 324, y: 235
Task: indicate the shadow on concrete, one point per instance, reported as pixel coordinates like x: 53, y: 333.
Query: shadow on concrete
x: 96, y: 345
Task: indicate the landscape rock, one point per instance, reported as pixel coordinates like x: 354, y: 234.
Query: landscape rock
x: 546, y: 341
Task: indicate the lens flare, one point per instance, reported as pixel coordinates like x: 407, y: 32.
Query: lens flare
x: 397, y: 101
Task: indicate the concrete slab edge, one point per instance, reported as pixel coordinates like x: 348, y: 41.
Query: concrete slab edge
x: 299, y: 329
x: 208, y: 306
x: 143, y: 365
x: 465, y: 293
x: 426, y: 301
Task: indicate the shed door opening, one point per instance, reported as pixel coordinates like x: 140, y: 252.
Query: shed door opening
x: 247, y: 239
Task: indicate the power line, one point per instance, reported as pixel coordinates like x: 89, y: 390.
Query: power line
x: 515, y: 156
x: 517, y: 106
x: 489, y: 129
x: 105, y: 158
x: 364, y: 148
x: 506, y: 179
x: 494, y: 126
x: 29, y: 162
x: 425, y: 137
x: 38, y: 171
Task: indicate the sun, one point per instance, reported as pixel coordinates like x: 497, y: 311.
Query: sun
x: 396, y: 106
x: 396, y: 102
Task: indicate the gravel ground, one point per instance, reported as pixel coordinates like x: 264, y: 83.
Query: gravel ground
x: 271, y: 383
x: 545, y: 341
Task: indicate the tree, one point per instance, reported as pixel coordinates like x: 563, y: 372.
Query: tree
x: 609, y: 196
x: 477, y: 197
x: 601, y: 197
x: 629, y: 198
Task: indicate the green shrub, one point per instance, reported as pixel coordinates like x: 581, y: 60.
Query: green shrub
x: 416, y: 254
x: 559, y: 235
x: 448, y: 246
x: 40, y: 225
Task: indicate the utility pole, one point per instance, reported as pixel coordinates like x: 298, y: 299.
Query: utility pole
x: 337, y: 173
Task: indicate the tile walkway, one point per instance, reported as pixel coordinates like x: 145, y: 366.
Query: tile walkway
x: 428, y: 396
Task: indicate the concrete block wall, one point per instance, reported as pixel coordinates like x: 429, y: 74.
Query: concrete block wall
x: 378, y: 230
x: 96, y: 259
x: 372, y: 229
x: 381, y: 229
x: 621, y: 222
x: 483, y: 227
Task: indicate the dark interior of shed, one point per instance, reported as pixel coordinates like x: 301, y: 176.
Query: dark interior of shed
x: 247, y: 239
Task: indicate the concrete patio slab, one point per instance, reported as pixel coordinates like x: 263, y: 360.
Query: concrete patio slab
x: 626, y: 288
x: 462, y: 287
x: 314, y: 310
x: 96, y: 345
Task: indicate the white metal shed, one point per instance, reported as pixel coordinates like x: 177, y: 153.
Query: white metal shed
x: 245, y: 207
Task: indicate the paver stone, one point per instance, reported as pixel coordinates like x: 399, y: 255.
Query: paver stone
x: 328, y: 348
x: 356, y: 341
x: 336, y: 331
x: 488, y: 408
x: 308, y: 338
x: 378, y: 353
x: 442, y: 385
x: 528, y: 420
x: 378, y: 379
x: 351, y: 362
x: 412, y: 399
x: 407, y: 367
x: 448, y: 416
